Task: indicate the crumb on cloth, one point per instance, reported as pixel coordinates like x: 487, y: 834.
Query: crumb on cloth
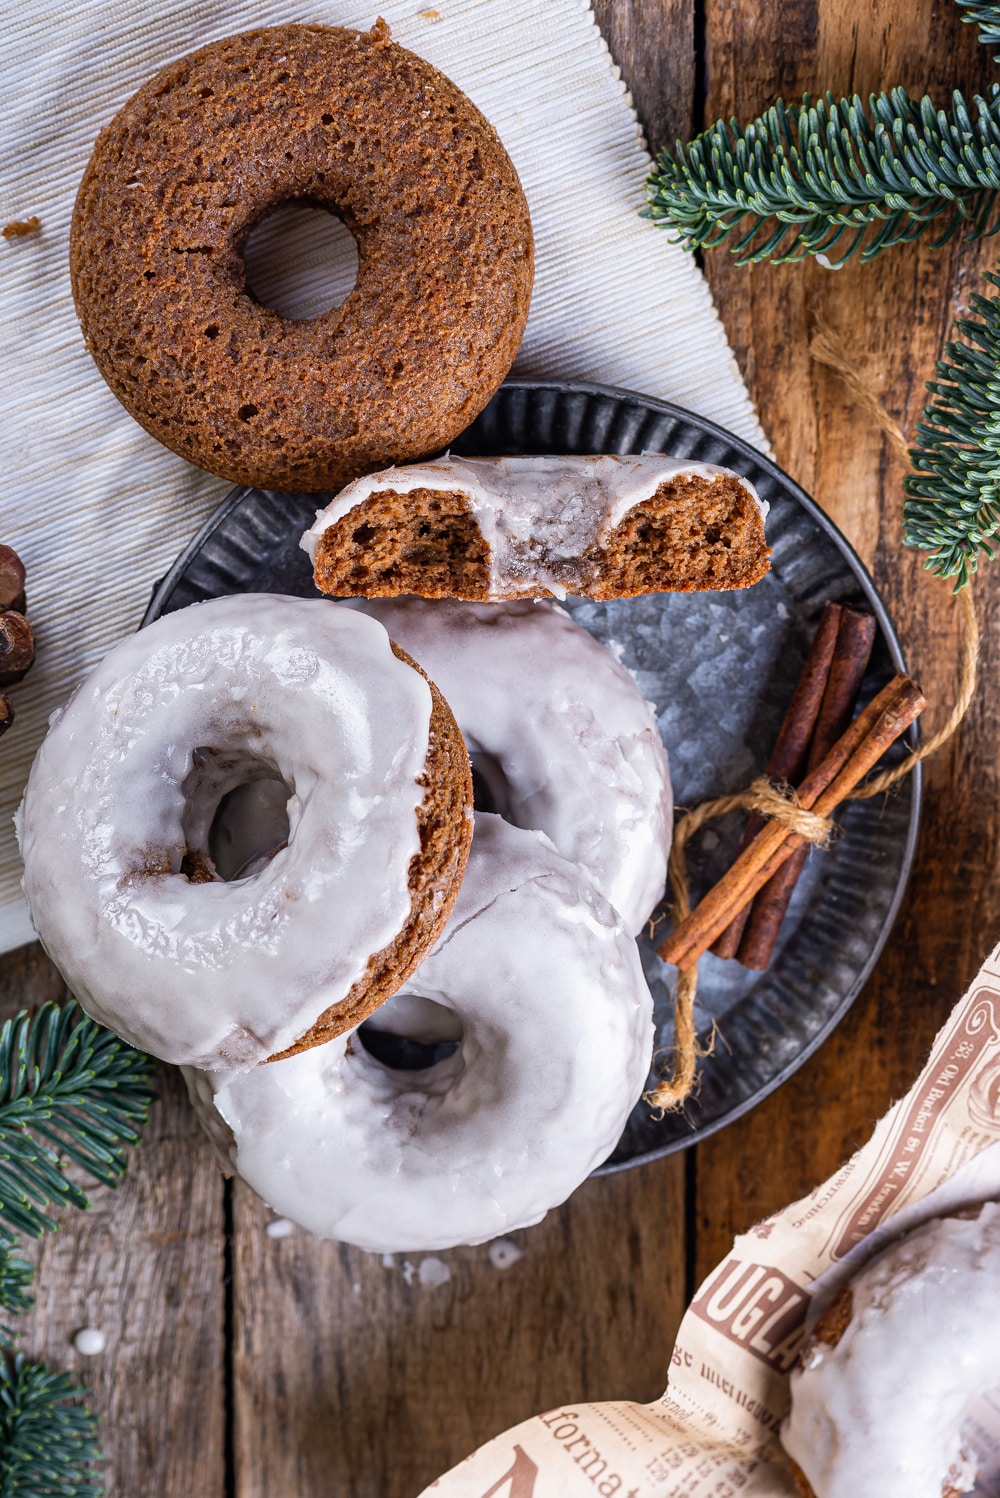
x: 19, y: 226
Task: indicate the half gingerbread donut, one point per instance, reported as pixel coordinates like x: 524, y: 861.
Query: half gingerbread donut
x: 608, y: 526
x: 353, y: 123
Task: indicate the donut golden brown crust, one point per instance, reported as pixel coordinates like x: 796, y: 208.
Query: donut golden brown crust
x: 346, y: 120
x: 444, y: 822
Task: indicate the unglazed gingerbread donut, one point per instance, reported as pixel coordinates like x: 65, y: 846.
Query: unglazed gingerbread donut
x: 351, y: 122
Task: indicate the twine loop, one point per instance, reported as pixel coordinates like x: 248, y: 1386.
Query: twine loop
x: 780, y: 803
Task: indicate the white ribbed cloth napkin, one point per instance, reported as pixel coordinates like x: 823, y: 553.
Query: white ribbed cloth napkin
x: 96, y: 508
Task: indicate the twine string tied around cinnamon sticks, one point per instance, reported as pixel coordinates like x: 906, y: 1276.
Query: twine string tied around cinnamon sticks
x: 671, y: 1092
x: 778, y: 803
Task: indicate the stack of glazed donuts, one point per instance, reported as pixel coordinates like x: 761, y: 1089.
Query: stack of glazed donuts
x: 531, y: 987
x: 247, y: 837
x: 244, y: 842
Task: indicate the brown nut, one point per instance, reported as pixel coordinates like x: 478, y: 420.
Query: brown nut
x: 17, y: 646
x: 11, y: 580
x: 6, y: 714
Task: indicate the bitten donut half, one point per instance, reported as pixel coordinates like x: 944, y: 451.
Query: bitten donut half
x: 117, y: 829
x: 346, y: 121
x: 540, y: 527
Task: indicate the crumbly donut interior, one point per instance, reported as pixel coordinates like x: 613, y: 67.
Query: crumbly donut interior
x: 693, y: 533
x: 424, y: 542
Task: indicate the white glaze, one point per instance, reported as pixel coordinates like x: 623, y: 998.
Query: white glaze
x: 574, y: 748
x: 882, y: 1411
x: 557, y: 1032
x: 534, y: 512
x: 225, y: 974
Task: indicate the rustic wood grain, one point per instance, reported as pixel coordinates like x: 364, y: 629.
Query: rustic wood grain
x: 654, y: 44
x: 894, y: 315
x: 145, y: 1265
x: 367, y: 1379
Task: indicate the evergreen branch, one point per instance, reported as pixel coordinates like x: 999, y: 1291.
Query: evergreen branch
x: 952, y: 507
x: 827, y: 178
x: 70, y: 1091
x: 986, y: 15
x: 15, y: 1277
x: 48, y: 1447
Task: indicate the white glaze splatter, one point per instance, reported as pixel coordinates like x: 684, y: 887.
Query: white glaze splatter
x: 433, y: 1272
x: 503, y: 1253
x: 89, y: 1341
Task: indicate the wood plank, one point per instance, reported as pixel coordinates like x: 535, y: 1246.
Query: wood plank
x: 653, y: 42
x: 894, y: 314
x: 367, y: 1378
x: 145, y: 1265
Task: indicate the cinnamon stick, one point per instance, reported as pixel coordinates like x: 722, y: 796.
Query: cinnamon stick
x: 789, y: 756
x: 765, y: 916
x: 848, y: 762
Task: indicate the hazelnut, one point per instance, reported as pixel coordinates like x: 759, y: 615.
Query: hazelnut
x: 17, y: 646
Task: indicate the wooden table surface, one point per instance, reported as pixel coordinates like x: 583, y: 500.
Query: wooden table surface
x: 243, y: 1366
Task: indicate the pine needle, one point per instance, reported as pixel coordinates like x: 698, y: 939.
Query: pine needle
x: 15, y: 1277
x: 952, y: 507
x: 828, y: 178
x: 986, y: 15
x: 48, y: 1445
x: 70, y: 1091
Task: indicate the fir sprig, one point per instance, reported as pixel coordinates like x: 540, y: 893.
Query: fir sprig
x: 70, y: 1091
x: 48, y: 1444
x: 952, y: 507
x: 986, y: 15
x: 827, y: 177
x: 15, y: 1277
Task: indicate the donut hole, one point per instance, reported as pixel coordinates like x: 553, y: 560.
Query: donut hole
x: 490, y: 788
x: 300, y: 260
x: 250, y: 825
x: 411, y: 1033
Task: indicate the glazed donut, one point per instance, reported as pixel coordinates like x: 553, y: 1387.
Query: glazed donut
x: 115, y: 829
x: 480, y: 528
x: 560, y: 736
x: 884, y: 1384
x: 348, y: 121
x: 556, y: 1033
